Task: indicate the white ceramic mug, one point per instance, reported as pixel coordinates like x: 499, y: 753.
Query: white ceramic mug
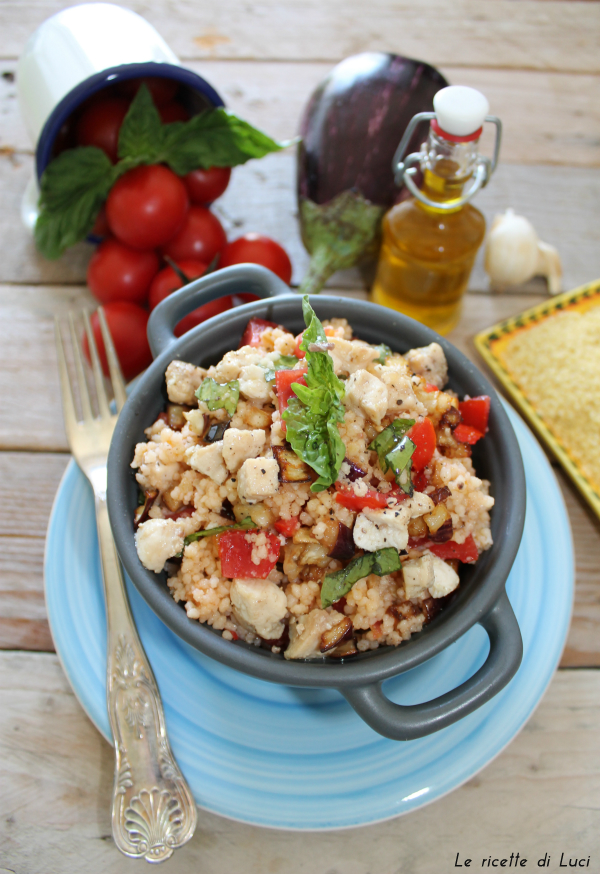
x: 80, y: 51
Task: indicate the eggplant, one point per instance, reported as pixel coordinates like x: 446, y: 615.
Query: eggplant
x: 350, y: 130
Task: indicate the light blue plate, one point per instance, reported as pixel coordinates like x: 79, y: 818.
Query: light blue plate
x: 300, y: 758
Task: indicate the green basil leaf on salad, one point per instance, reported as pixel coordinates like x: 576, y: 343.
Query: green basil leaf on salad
x: 387, y: 439
x: 399, y: 460
x: 219, y: 396
x: 245, y: 525
x: 336, y: 585
x: 312, y: 417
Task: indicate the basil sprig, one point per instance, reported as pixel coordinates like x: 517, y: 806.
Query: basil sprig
x: 76, y: 183
x: 244, y: 525
x: 394, y: 450
x: 335, y: 586
x: 312, y: 417
x: 219, y: 396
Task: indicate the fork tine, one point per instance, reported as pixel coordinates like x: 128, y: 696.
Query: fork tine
x: 118, y: 383
x: 86, y: 407
x: 97, y: 369
x: 65, y: 383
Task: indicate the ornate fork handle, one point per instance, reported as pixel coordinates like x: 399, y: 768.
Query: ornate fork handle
x: 153, y: 811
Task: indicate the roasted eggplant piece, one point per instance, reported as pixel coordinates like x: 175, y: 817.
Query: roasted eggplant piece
x: 291, y: 468
x: 335, y: 635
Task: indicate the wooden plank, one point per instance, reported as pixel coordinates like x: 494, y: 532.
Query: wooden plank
x: 561, y: 202
x: 549, y: 118
x: 500, y: 33
x: 28, y: 483
x: 539, y: 796
x: 29, y: 376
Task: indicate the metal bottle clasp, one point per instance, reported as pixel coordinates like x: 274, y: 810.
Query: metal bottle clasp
x: 404, y: 168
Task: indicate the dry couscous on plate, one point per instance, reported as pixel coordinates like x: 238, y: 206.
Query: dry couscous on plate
x: 313, y: 495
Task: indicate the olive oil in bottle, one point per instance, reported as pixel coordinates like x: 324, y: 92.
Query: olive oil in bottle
x: 430, y: 240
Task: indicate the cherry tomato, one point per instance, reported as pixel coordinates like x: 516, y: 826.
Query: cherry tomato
x: 147, y: 206
x: 100, y: 123
x: 256, y: 249
x: 162, y: 89
x: 127, y: 325
x: 117, y: 272
x: 100, y: 228
x: 201, y: 237
x: 167, y: 281
x: 173, y: 112
x: 204, y: 186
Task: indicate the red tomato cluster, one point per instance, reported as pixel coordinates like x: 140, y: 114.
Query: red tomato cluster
x: 154, y: 219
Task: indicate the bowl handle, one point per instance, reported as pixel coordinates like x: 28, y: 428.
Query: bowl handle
x: 401, y: 722
x: 239, y: 279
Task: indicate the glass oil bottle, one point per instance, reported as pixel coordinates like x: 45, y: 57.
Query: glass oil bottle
x: 430, y: 240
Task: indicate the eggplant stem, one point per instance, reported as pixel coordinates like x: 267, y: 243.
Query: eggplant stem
x: 323, y: 264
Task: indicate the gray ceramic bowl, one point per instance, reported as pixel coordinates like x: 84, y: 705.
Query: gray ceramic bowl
x: 481, y: 597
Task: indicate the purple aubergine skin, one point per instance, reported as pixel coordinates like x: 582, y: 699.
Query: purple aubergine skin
x: 354, y: 121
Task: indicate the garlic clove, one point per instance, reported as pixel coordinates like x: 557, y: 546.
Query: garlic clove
x: 514, y: 254
x: 548, y: 265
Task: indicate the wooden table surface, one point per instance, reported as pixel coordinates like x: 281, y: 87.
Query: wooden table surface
x: 539, y: 64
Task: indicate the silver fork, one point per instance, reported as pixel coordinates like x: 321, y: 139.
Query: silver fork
x: 153, y: 810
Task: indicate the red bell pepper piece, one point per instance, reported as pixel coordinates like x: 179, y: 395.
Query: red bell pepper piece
x: 235, y: 551
x: 374, y: 500
x: 422, y: 435
x: 254, y: 330
x: 430, y: 387
x: 284, y: 379
x: 466, y: 551
x: 476, y: 412
x: 466, y: 434
x: 419, y: 481
x: 287, y: 527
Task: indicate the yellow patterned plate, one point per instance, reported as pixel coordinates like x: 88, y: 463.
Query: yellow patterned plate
x: 527, y: 351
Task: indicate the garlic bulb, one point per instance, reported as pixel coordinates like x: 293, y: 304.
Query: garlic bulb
x: 514, y: 254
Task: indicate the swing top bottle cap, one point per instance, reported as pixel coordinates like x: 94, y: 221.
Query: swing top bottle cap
x: 460, y: 112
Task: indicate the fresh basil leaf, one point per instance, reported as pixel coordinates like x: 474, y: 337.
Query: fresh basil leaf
x: 141, y: 134
x: 284, y: 362
x: 386, y: 561
x: 338, y: 584
x: 219, y: 396
x: 399, y: 460
x: 73, y: 188
x: 312, y: 417
x: 215, y: 138
x: 384, y: 353
x: 388, y: 438
x: 244, y: 525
